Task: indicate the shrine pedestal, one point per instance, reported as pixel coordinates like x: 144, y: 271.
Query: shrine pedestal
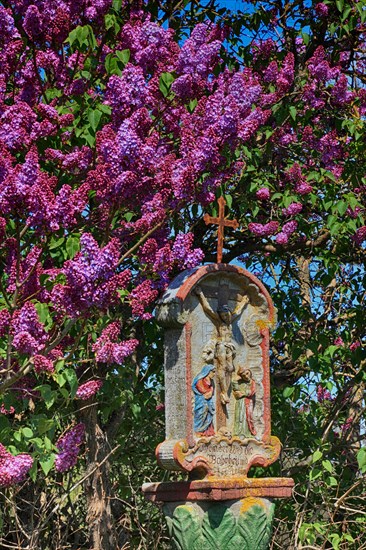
x: 220, y: 514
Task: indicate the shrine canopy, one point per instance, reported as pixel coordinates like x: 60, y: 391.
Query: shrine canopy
x: 217, y: 320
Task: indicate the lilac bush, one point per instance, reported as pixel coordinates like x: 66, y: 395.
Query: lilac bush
x: 118, y: 129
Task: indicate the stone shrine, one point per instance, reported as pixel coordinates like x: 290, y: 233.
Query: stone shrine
x: 217, y: 319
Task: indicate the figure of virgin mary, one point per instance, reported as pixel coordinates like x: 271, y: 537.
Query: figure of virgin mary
x: 204, y: 405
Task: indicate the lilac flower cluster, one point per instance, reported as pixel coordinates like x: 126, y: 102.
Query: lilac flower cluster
x: 162, y: 258
x: 109, y: 350
x: 13, y: 469
x: 4, y: 410
x: 150, y: 45
x: 69, y: 445
x: 29, y: 189
x: 263, y: 194
x: 91, y: 278
x: 199, y: 53
x: 360, y: 236
x: 127, y: 92
x: 323, y: 394
x: 182, y: 251
x: 87, y: 390
x: 141, y: 297
x: 345, y: 428
x: 292, y: 209
x: 355, y: 345
x: 263, y: 230
x: 321, y: 10
x: 319, y: 67
x: 29, y: 335
x: 43, y: 364
x: 287, y: 230
x: 295, y: 176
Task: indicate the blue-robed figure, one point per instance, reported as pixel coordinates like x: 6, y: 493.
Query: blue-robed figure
x: 204, y: 405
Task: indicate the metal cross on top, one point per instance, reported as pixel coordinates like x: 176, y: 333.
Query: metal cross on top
x: 222, y: 222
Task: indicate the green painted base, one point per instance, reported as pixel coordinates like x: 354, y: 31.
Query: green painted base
x: 227, y: 525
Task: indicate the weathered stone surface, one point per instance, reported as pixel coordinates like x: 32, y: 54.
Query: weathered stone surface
x: 245, y: 524
x: 217, y: 397
x: 217, y: 488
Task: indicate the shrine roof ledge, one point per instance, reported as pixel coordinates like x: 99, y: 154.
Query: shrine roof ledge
x: 185, y: 281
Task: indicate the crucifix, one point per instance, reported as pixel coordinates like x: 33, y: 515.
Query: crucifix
x: 222, y: 318
x: 222, y: 222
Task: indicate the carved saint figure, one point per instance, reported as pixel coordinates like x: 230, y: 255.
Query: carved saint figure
x: 204, y: 404
x: 244, y: 393
x: 225, y: 349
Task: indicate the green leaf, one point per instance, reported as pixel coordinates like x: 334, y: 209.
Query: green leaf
x: 340, y: 4
x: 331, y: 481
x: 47, y: 462
x: 316, y: 456
x: 94, y: 116
x: 327, y: 465
x: 192, y: 105
x: 315, y: 473
x: 27, y: 432
x: 335, y: 540
x: 44, y: 425
x: 128, y: 216
x: 43, y: 312
x: 47, y: 394
x: 165, y: 82
x: 361, y: 459
x: 56, y: 243
x: 33, y: 471
x: 293, y: 112
x: 342, y: 207
x: 111, y: 65
x: 105, y: 108
x: 331, y: 350
x: 229, y: 200
x: 305, y: 37
x: 117, y: 4
x: 72, y: 380
x: 123, y: 56
x: 109, y: 20
x: 287, y: 392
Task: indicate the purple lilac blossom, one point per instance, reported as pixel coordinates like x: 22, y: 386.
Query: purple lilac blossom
x: 69, y: 445
x: 107, y: 348
x: 13, y: 469
x: 360, y: 236
x: 355, y: 345
x: 321, y: 10
x: 292, y: 209
x: 29, y: 333
x: 323, y: 394
x: 263, y: 194
x: 88, y: 389
x: 263, y: 230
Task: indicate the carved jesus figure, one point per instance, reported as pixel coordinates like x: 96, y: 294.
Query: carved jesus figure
x: 225, y: 349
